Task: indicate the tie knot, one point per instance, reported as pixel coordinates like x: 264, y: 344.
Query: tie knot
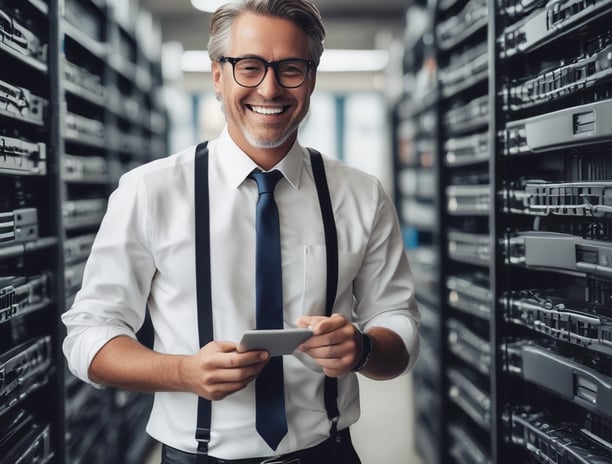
x: 266, y: 181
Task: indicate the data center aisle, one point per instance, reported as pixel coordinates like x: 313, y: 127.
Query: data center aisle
x: 384, y: 433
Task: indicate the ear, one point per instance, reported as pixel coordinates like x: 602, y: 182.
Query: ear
x: 312, y: 80
x: 217, y: 76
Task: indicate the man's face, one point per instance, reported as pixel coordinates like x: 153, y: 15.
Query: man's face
x: 266, y: 116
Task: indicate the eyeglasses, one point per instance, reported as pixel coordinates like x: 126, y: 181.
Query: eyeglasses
x: 251, y: 71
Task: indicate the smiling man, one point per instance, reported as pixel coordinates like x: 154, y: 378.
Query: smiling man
x: 262, y: 114
x: 249, y: 231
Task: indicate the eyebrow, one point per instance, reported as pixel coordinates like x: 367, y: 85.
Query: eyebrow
x: 274, y: 61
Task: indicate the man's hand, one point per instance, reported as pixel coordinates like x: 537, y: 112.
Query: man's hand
x: 218, y: 370
x: 335, y: 344
x: 214, y: 372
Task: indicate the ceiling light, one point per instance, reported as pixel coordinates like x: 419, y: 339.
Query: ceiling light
x: 331, y: 61
x: 208, y: 5
x: 353, y: 60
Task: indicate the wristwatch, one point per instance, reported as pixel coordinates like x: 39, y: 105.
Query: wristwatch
x: 366, y: 351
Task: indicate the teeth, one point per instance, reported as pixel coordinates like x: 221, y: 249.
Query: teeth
x: 267, y: 110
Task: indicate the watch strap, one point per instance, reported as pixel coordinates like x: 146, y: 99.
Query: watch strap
x: 366, y: 351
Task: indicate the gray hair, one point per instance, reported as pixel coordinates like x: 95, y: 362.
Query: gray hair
x: 302, y: 13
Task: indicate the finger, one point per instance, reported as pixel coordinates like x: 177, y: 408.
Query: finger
x: 336, y: 344
x: 329, y: 324
x: 343, y: 335
x: 225, y: 347
x: 322, y: 324
x: 335, y: 367
x: 254, y: 357
x: 220, y: 355
x: 224, y: 381
x: 221, y: 390
x: 241, y: 374
x: 309, y: 321
x: 247, y: 358
x: 338, y: 351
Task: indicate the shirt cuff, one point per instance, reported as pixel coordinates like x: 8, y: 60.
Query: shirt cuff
x: 80, y: 349
x: 406, y: 328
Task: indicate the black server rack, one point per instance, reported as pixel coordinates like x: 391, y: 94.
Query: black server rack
x: 462, y: 45
x: 85, y: 180
x: 415, y: 139
x: 522, y: 145
x: 553, y: 180
x: 79, y: 106
x: 30, y: 374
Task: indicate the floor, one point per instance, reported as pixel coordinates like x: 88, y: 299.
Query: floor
x: 384, y: 432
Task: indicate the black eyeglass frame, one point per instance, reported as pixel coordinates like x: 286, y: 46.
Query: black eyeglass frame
x: 267, y: 64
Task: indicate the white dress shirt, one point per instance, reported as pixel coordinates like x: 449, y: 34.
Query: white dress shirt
x: 143, y: 256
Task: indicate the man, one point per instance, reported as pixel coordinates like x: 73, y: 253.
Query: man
x: 264, y: 55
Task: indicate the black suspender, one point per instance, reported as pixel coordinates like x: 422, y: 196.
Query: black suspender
x: 331, y: 246
x: 203, y: 273
x: 203, y: 291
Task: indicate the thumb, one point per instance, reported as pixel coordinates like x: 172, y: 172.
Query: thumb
x: 225, y: 347
x: 309, y: 321
x: 303, y: 321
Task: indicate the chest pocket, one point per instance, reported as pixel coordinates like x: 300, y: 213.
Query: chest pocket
x: 313, y: 299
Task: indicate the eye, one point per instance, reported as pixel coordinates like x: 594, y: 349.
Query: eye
x: 292, y: 68
x: 249, y: 66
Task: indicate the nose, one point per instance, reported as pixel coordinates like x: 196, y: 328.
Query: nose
x: 270, y: 87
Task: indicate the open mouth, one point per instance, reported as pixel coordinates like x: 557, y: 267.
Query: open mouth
x: 268, y: 110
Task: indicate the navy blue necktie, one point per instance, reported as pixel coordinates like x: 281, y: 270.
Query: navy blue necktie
x: 270, y: 416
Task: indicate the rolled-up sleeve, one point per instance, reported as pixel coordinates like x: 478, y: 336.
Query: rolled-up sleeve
x: 116, y: 282
x: 384, y: 288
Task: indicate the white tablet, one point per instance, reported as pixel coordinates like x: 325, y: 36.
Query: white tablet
x: 277, y: 342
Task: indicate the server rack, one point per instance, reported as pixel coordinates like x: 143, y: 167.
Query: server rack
x: 522, y: 160
x: 415, y: 139
x: 462, y: 44
x: 554, y: 139
x: 30, y: 380
x: 73, y: 76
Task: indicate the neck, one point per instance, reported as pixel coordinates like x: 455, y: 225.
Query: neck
x: 265, y: 158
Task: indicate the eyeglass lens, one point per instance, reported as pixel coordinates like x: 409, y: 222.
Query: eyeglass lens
x: 250, y: 72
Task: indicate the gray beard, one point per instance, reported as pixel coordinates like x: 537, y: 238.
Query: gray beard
x: 258, y: 143
x: 251, y: 139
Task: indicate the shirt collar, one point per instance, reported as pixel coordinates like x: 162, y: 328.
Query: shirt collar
x: 237, y: 165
